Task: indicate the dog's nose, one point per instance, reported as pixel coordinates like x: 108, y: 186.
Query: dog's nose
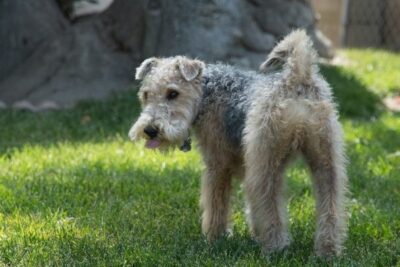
x: 151, y: 131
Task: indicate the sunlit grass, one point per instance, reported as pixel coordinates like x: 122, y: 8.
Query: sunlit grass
x: 75, y: 191
x: 379, y: 69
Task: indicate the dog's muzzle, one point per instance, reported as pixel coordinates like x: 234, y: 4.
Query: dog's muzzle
x: 151, y: 131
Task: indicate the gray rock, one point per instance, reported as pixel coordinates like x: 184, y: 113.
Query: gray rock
x: 29, y: 106
x: 49, y: 57
x: 24, y: 105
x: 48, y: 105
x: 248, y: 60
x: 3, y: 105
x: 22, y: 31
x: 87, y: 7
x: 204, y: 29
x: 322, y: 44
x: 254, y: 39
x: 298, y: 14
x: 272, y: 22
x: 79, y: 66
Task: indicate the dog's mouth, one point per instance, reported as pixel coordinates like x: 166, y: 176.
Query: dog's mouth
x: 153, y: 143
x: 156, y: 143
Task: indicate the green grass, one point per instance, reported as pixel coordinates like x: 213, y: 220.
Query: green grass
x: 74, y: 191
x: 380, y: 70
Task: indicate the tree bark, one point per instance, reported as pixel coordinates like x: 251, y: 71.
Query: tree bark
x: 48, y: 57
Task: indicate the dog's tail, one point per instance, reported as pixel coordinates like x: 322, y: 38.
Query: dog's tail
x: 295, y: 55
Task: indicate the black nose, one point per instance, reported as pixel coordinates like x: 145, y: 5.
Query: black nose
x: 151, y: 131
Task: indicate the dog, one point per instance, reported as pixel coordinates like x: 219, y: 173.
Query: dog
x: 250, y: 125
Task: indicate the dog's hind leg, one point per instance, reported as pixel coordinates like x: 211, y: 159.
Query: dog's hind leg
x: 265, y: 160
x: 323, y: 151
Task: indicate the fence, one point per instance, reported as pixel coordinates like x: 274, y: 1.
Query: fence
x: 361, y: 23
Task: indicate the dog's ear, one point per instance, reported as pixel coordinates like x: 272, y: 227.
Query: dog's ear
x: 145, y: 68
x: 275, y: 60
x: 190, y: 68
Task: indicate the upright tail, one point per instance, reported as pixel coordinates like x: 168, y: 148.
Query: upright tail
x: 295, y: 55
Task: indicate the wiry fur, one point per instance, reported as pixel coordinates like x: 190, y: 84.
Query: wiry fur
x: 250, y: 125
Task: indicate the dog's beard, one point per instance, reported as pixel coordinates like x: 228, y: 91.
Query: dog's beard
x: 171, y: 134
x: 137, y: 130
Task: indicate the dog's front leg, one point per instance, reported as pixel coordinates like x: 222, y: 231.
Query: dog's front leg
x: 215, y: 195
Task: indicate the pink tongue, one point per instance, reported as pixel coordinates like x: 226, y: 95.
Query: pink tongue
x: 152, y: 143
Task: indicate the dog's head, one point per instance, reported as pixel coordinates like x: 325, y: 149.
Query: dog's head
x: 170, y: 95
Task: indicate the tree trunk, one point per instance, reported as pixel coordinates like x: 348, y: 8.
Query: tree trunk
x: 48, y: 57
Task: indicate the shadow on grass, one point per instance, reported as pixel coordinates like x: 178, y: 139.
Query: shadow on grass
x: 353, y: 97
x: 135, y: 214
x: 89, y: 121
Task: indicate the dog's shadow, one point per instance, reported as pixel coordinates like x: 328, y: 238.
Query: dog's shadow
x: 354, y: 98
x: 242, y: 248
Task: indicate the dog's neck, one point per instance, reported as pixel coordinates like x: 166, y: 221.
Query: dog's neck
x: 198, y: 110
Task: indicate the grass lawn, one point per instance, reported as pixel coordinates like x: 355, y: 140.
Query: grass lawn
x: 75, y: 191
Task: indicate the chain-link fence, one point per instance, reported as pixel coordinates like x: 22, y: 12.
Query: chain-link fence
x: 360, y: 23
x: 372, y: 23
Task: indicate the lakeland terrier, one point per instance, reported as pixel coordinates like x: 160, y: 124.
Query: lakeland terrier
x: 250, y: 125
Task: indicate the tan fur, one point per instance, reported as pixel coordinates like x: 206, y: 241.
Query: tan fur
x: 294, y: 116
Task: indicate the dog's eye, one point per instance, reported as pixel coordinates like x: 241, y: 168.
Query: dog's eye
x: 172, y: 94
x: 145, y: 96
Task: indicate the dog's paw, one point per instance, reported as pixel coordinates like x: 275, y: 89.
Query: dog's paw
x: 215, y: 234
x: 327, y: 249
x: 275, y: 242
